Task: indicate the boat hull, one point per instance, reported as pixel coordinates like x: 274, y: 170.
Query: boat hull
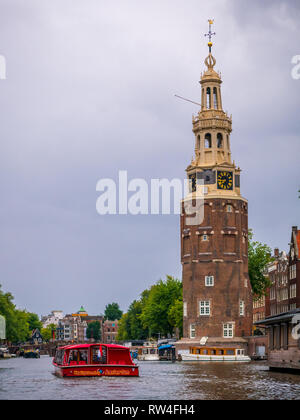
x: 215, y: 358
x: 95, y: 370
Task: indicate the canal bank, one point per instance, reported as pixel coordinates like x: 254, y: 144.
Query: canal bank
x: 33, y: 379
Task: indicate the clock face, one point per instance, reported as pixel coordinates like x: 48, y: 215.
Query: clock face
x: 225, y: 180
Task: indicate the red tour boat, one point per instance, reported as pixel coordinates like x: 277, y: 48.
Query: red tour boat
x: 94, y: 360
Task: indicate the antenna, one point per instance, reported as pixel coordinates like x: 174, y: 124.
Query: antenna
x: 188, y: 100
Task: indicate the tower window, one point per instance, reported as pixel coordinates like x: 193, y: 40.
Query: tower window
x: 192, y: 331
x: 208, y: 98
x: 208, y: 141
x: 204, y: 308
x: 228, y: 330
x: 229, y: 208
x: 242, y: 308
x: 220, y: 141
x: 209, y: 281
x: 198, y: 142
x: 185, y: 309
x: 215, y: 98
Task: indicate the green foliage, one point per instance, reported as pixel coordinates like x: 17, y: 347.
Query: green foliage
x: 175, y: 315
x: 19, y: 323
x: 34, y: 322
x: 161, y: 298
x: 47, y: 333
x: 259, y: 256
x: 159, y: 311
x: 94, y: 330
x: 112, y: 312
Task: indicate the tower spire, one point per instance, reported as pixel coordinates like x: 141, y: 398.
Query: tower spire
x: 210, y: 34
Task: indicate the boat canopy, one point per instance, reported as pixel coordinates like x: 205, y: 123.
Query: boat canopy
x: 166, y: 346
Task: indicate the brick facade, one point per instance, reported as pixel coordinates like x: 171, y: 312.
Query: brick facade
x: 222, y: 256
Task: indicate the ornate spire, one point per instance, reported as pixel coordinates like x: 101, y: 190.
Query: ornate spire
x: 210, y: 34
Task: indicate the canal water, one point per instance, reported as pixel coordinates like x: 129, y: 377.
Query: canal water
x: 33, y: 379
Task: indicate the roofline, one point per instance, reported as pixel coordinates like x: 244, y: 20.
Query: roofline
x: 277, y: 318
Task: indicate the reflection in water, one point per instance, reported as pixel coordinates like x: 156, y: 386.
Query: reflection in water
x: 33, y: 379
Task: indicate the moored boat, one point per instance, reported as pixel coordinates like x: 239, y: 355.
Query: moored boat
x: 94, y: 360
x: 215, y: 354
x: 148, y: 353
x: 31, y: 354
x: 4, y: 353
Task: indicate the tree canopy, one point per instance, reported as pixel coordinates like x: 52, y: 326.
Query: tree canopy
x: 259, y: 256
x: 158, y: 312
x: 112, y: 312
x: 94, y: 330
x: 19, y: 323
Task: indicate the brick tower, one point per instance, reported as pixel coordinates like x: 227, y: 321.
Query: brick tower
x: 216, y: 287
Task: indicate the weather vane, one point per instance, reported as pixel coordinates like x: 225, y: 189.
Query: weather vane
x: 210, y: 34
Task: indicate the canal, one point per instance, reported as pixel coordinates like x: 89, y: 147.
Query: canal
x: 32, y: 379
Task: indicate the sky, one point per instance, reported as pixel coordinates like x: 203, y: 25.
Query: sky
x: 89, y: 91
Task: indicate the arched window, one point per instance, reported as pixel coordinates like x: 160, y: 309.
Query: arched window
x: 215, y: 98
x: 198, y: 142
x: 220, y: 141
x: 207, y: 141
x: 208, y: 98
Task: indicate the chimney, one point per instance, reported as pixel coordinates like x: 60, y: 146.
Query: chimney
x: 276, y: 252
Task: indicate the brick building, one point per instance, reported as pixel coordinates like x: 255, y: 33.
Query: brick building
x: 294, y: 269
x: 214, y: 243
x: 284, y: 275
x: 109, y: 332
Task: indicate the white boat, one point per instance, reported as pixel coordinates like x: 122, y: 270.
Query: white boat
x: 4, y: 353
x: 148, y: 353
x: 215, y: 354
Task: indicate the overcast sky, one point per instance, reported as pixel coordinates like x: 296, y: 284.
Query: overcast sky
x: 89, y: 91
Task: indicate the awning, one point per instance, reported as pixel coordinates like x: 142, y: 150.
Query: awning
x: 167, y: 346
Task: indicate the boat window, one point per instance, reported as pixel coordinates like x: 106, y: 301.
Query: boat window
x: 83, y: 356
x: 230, y: 352
x: 213, y: 352
x: 96, y: 355
x: 204, y: 351
x: 220, y: 352
x: 152, y: 351
x: 145, y: 351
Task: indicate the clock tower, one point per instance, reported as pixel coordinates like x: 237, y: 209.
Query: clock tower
x: 214, y: 249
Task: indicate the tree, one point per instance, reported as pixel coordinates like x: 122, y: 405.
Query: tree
x: 259, y: 256
x: 123, y: 328
x: 47, y: 333
x: 34, y: 322
x: 94, y: 330
x: 17, y: 327
x: 155, y: 313
x: 112, y: 312
x: 175, y: 315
